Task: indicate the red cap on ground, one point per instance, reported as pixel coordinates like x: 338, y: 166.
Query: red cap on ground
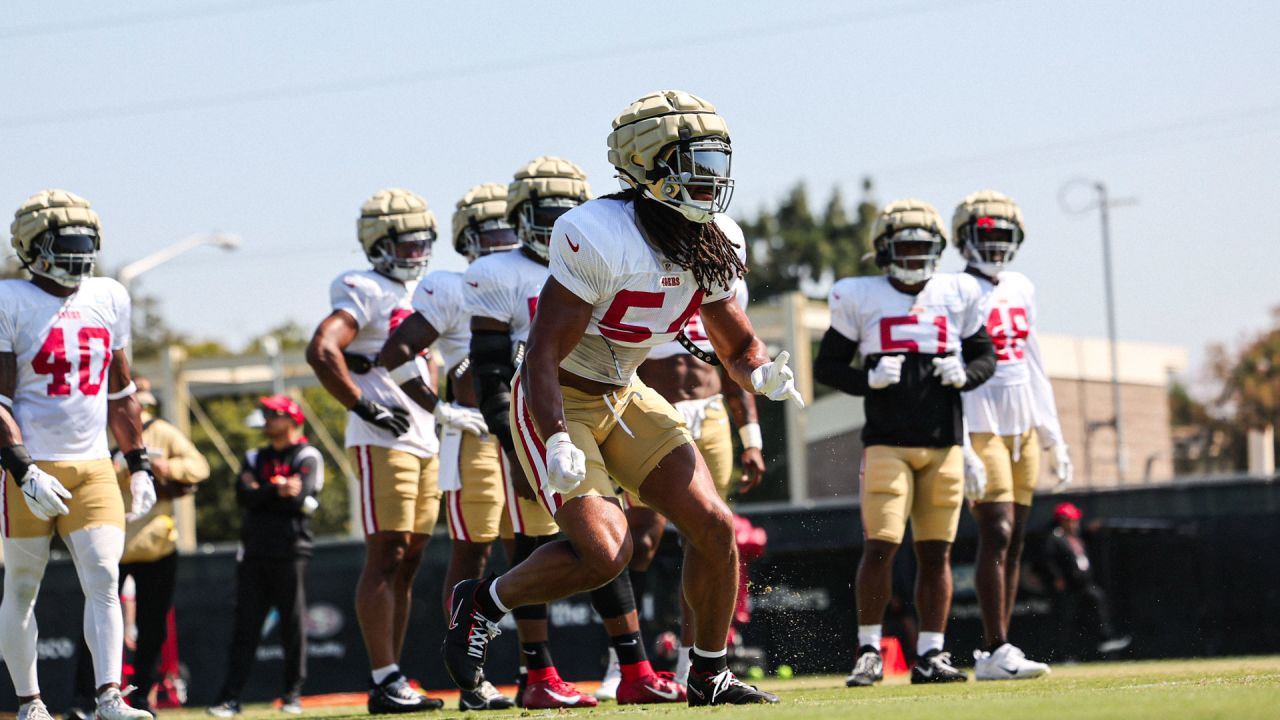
x: 1067, y: 511
x: 283, y: 404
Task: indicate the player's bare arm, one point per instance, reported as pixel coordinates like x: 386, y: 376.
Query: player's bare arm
x: 735, y: 341
x: 124, y: 414
x: 561, y: 320
x: 742, y: 409
x: 324, y: 355
x: 411, y: 337
x: 10, y: 434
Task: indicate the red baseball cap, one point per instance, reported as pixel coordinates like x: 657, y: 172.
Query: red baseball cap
x: 1067, y: 511
x: 285, y: 405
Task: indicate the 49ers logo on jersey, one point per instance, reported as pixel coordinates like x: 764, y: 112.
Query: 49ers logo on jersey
x: 1009, y: 328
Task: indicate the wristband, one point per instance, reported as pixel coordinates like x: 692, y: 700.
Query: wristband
x: 405, y: 372
x: 16, y: 461
x: 138, y: 460
x: 750, y: 436
x: 123, y: 392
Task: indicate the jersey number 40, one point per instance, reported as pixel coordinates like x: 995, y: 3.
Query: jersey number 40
x: 53, y: 360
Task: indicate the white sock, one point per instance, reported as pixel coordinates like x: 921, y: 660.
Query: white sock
x: 96, y: 552
x: 682, y: 665
x: 493, y: 593
x: 24, y: 561
x: 382, y: 673
x: 927, y: 641
x: 869, y: 635
x: 710, y: 653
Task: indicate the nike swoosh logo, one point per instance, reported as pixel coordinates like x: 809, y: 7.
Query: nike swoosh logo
x: 572, y: 247
x: 1013, y: 671
x: 457, y: 608
x: 564, y: 698
x: 664, y: 694
x: 926, y: 673
x: 431, y: 292
x: 629, y: 642
x: 473, y: 284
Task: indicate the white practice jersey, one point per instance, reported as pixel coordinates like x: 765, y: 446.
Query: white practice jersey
x: 440, y: 300
x: 640, y: 299
x: 883, y: 320
x: 694, y: 330
x: 63, y: 349
x: 379, y: 304
x: 1018, y: 397
x: 505, y: 287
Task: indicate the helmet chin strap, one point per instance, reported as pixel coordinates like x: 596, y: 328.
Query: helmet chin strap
x: 911, y: 277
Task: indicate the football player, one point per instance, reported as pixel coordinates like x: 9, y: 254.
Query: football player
x: 1010, y: 418
x: 471, y: 473
x: 691, y: 379
x: 502, y: 295
x: 922, y: 340
x: 64, y: 379
x: 391, y: 440
x: 626, y: 273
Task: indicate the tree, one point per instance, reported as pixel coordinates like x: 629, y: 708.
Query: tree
x: 789, y: 249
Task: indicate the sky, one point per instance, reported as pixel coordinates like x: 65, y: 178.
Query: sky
x: 276, y: 119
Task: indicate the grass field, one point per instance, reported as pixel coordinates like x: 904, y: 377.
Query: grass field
x: 1235, y: 688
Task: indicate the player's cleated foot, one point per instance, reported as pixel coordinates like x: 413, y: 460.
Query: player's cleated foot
x: 723, y: 688
x: 935, y: 667
x: 554, y: 693
x: 466, y: 641
x: 1007, y: 662
x: 1115, y: 644
x: 111, y: 706
x: 656, y: 688
x: 224, y: 709
x: 485, y: 697
x: 867, y: 670
x: 33, y: 710
x: 394, y: 695
x: 291, y: 704
x: 608, y: 689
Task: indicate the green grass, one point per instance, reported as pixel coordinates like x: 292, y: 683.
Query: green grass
x: 1234, y: 688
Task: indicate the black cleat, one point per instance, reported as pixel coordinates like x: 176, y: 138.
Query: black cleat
x: 466, y: 640
x: 485, y: 697
x: 868, y: 670
x: 395, y: 696
x: 935, y: 667
x: 723, y: 688
x: 522, y: 682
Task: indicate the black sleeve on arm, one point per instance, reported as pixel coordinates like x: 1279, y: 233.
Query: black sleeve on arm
x: 832, y: 368
x: 246, y: 496
x: 491, y: 371
x: 979, y: 359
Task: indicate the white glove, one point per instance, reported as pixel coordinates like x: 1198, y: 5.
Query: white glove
x: 566, y: 464
x: 1060, y: 464
x: 776, y: 381
x: 44, y: 494
x: 142, y: 485
x: 975, y: 475
x: 463, y: 418
x: 950, y: 370
x: 886, y: 372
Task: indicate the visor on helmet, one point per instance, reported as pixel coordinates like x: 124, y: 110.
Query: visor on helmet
x: 485, y: 238
x: 403, y: 256
x: 67, y: 254
x: 537, y: 218
x: 912, y: 254
x: 990, y: 243
x: 694, y: 175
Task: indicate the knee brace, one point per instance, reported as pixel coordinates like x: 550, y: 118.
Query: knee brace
x: 614, y: 599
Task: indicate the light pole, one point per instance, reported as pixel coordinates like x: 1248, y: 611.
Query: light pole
x: 1104, y: 203
x: 130, y: 272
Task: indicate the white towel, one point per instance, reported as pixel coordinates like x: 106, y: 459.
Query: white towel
x: 450, y: 479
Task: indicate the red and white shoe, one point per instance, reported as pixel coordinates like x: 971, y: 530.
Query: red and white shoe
x: 554, y: 693
x: 655, y: 688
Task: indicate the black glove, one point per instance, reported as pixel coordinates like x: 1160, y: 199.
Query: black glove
x: 393, y: 419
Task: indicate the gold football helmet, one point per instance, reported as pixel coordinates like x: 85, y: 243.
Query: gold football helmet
x: 480, y: 224
x: 987, y: 228
x: 396, y: 230
x: 57, y: 235
x: 909, y: 238
x: 541, y: 191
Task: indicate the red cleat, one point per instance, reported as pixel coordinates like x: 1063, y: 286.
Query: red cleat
x: 655, y: 688
x: 554, y: 693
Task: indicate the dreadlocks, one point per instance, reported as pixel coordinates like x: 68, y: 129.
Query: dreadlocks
x: 701, y: 248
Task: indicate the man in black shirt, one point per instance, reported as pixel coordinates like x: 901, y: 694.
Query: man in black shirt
x: 277, y: 489
x: 922, y: 340
x: 1074, y: 587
